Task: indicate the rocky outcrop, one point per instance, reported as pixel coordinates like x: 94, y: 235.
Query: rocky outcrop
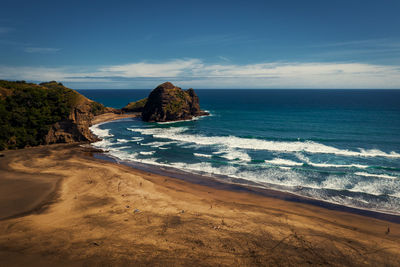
x: 73, y: 129
x: 170, y: 103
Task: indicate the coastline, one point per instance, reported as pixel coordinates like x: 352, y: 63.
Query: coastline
x: 109, y: 213
x: 249, y: 188
x: 232, y: 184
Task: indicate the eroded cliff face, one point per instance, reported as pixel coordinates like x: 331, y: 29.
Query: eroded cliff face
x: 75, y: 128
x: 170, y: 103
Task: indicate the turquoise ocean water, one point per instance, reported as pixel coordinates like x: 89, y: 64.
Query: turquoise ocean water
x: 340, y: 146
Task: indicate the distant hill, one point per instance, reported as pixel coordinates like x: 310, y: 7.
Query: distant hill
x: 46, y: 113
x: 136, y: 106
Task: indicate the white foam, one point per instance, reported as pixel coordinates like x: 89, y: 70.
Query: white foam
x: 104, y: 143
x: 375, y: 175
x: 233, y: 154
x: 147, y: 153
x: 202, y: 155
x: 122, y: 155
x: 375, y: 189
x: 177, y: 133
x: 137, y: 139
x: 171, y: 122
x: 284, y: 168
x: 158, y: 144
x: 397, y: 195
x: 336, y: 182
x: 122, y: 140
x: 102, y: 133
x: 195, y: 118
x: 328, y: 165
x: 283, y: 162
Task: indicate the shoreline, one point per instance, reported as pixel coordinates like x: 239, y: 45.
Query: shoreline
x: 212, y: 182
x: 111, y: 213
x: 107, y: 117
x: 237, y: 187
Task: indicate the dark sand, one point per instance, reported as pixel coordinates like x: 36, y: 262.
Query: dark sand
x: 21, y: 193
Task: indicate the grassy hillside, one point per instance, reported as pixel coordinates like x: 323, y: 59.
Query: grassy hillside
x: 28, y: 110
x: 135, y: 106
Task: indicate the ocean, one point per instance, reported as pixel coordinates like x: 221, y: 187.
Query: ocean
x: 339, y: 146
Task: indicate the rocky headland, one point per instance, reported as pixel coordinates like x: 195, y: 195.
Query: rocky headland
x: 168, y: 102
x: 46, y: 113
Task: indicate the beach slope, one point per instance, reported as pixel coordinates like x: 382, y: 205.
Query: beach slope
x: 61, y: 206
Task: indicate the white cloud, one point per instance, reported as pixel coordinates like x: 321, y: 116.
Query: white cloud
x: 142, y: 69
x: 41, y: 50
x: 195, y: 73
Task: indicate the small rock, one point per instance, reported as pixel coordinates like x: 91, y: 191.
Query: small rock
x: 136, y: 211
x: 182, y: 211
x: 127, y: 207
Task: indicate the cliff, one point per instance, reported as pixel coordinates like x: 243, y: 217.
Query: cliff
x: 170, y: 103
x: 47, y: 113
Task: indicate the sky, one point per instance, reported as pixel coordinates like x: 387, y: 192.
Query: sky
x: 202, y: 44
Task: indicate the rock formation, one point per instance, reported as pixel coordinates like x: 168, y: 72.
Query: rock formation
x: 73, y: 129
x: 170, y: 103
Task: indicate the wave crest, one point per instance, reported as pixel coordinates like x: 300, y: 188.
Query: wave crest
x: 178, y: 134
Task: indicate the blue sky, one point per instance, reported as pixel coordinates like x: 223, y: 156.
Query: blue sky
x: 202, y: 44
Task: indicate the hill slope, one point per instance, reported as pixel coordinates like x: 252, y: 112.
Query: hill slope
x: 47, y: 113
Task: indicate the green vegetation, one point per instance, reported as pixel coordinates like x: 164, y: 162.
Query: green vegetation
x: 135, y: 106
x: 97, y: 108
x: 175, y: 106
x: 27, y: 111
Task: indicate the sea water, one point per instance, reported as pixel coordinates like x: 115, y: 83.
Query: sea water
x: 341, y: 146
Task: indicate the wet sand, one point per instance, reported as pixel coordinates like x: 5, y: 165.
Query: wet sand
x: 112, y: 116
x: 67, y: 208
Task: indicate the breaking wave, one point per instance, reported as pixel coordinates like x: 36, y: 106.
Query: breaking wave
x: 178, y: 134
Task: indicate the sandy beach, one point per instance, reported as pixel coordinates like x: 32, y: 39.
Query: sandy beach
x: 66, y: 208
x: 112, y: 116
x: 61, y: 206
